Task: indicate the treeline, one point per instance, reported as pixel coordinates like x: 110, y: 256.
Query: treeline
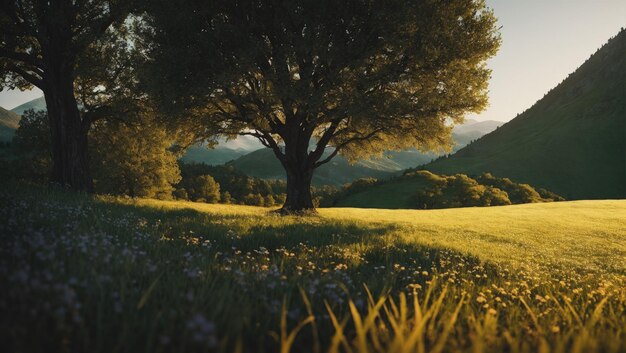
x: 134, y: 157
x: 460, y: 190
x: 225, y: 184
x: 441, y: 191
x: 138, y: 157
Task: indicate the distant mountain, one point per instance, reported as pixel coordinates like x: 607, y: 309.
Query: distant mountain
x: 474, y: 128
x: 215, y: 156
x: 36, y: 104
x: 572, y: 141
x: 263, y: 164
x: 9, y: 122
x: 241, y: 143
x: 224, y: 152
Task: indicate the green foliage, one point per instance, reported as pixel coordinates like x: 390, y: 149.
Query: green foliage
x: 518, y: 193
x: 425, y: 190
x: 73, y: 51
x: 367, y: 59
x: 33, y: 133
x: 226, y: 198
x: 129, y: 158
x: 254, y: 200
x: 238, y: 186
x: 570, y: 142
x: 180, y: 194
x: 202, y: 188
x: 134, y: 159
x: 361, y: 76
x: 31, y: 145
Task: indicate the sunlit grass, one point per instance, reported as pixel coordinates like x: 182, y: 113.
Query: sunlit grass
x: 106, y: 274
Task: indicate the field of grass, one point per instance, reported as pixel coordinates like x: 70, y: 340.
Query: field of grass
x: 103, y: 274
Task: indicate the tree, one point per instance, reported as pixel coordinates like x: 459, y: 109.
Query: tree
x: 134, y: 158
x: 355, y: 76
x: 203, y: 188
x: 130, y: 157
x: 41, y: 45
x: 33, y: 134
x: 31, y: 144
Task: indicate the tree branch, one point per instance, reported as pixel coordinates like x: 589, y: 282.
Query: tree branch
x: 23, y: 57
x: 28, y: 76
x: 344, y: 144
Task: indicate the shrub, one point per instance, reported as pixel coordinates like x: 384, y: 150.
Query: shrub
x: 180, y: 194
x: 254, y: 200
x: 204, y: 188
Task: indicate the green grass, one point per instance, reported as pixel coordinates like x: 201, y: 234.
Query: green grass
x: 103, y: 274
x: 570, y: 142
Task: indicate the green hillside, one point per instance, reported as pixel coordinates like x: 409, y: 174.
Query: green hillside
x: 216, y: 156
x: 263, y: 164
x: 36, y: 104
x: 231, y: 150
x: 571, y: 142
x: 9, y: 122
x: 425, y: 190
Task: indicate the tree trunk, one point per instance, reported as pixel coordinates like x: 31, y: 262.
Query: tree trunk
x: 70, y: 160
x: 299, y: 198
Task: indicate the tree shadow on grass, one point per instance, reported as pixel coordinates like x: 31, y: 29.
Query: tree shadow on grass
x: 251, y: 231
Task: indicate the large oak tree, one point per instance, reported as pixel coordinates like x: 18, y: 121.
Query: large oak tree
x: 42, y: 43
x: 355, y: 77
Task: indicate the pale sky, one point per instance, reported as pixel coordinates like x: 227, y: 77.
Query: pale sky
x: 542, y: 42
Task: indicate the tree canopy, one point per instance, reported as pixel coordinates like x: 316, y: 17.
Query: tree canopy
x: 358, y: 76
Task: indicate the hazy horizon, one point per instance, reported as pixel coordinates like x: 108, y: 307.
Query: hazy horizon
x: 542, y: 43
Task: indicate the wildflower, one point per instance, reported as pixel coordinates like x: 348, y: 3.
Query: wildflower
x: 340, y: 267
x: 202, y: 330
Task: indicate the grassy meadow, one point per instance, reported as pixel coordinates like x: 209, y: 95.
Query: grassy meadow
x: 104, y: 274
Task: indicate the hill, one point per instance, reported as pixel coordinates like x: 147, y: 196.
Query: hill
x: 572, y: 141
x: 263, y: 164
x: 180, y: 276
x: 216, y: 156
x: 9, y: 122
x: 425, y: 190
x: 35, y: 104
x: 224, y: 152
x: 227, y: 151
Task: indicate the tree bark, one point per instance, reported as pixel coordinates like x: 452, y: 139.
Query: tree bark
x: 299, y: 198
x: 70, y: 159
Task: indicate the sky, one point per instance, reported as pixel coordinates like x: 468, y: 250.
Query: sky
x: 542, y: 42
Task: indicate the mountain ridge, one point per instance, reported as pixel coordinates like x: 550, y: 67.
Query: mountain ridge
x: 571, y: 141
